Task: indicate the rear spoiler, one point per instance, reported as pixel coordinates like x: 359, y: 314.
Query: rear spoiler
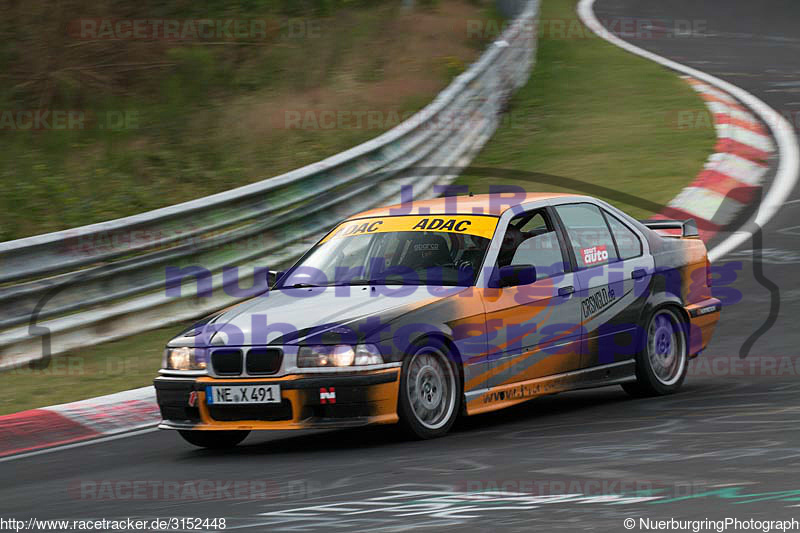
x: 687, y: 227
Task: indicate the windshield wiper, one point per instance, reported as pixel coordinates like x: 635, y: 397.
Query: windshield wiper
x: 385, y: 281
x: 362, y: 281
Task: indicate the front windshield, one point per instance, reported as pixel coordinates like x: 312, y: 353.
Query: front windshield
x: 402, y: 250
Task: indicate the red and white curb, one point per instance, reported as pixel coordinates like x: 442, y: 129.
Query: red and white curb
x: 70, y: 423
x: 732, y: 175
x: 787, y: 171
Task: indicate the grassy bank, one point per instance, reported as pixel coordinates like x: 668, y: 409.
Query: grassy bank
x: 111, y: 367
x: 166, y: 119
x: 595, y: 113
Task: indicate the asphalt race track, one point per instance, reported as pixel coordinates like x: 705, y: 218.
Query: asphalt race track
x: 727, y: 446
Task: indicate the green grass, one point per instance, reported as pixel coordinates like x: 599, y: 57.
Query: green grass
x: 103, y: 369
x: 197, y: 118
x: 595, y: 113
x: 590, y: 111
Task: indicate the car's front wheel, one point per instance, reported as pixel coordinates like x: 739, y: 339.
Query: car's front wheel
x: 430, y: 391
x: 217, y: 440
x: 662, y: 362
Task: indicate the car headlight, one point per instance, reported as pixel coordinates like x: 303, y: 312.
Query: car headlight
x: 183, y: 358
x: 338, y: 355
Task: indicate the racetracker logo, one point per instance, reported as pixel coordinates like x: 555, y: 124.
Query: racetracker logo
x: 24, y: 120
x: 316, y: 119
x: 639, y: 28
x: 160, y: 29
x: 752, y: 366
x: 189, y: 490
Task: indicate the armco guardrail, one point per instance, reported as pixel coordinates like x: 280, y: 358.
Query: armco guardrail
x: 86, y: 285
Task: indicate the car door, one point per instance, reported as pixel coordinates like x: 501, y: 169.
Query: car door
x: 613, y: 273
x: 630, y: 276
x: 533, y: 328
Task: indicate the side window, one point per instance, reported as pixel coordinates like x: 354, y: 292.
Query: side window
x: 535, y: 223
x: 628, y: 244
x: 531, y: 239
x: 588, y: 234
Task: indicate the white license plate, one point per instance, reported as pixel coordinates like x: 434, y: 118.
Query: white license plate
x: 243, y: 394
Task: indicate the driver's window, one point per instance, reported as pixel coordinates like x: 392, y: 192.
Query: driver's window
x: 536, y: 223
x: 531, y: 239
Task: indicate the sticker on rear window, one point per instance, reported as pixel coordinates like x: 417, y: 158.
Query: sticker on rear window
x: 594, y: 255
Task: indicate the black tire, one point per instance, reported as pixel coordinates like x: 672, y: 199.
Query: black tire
x: 430, y: 393
x: 663, y: 359
x: 216, y: 440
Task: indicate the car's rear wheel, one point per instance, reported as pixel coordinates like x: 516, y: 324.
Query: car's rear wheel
x: 662, y: 362
x: 430, y: 391
x: 217, y: 440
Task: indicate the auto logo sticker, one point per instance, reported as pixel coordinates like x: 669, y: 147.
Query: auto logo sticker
x: 594, y: 255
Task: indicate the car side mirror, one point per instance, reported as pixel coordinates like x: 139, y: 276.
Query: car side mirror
x: 272, y: 277
x: 514, y: 275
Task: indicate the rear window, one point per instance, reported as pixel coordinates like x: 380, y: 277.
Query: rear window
x: 628, y: 244
x: 588, y: 233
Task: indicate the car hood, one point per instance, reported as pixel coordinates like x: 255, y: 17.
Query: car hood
x: 291, y: 316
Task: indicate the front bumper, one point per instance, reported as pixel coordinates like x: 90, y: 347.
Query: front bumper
x: 360, y: 399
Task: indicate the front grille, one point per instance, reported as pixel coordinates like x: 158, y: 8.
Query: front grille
x: 173, y: 400
x: 261, y: 361
x: 227, y: 362
x: 239, y: 413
